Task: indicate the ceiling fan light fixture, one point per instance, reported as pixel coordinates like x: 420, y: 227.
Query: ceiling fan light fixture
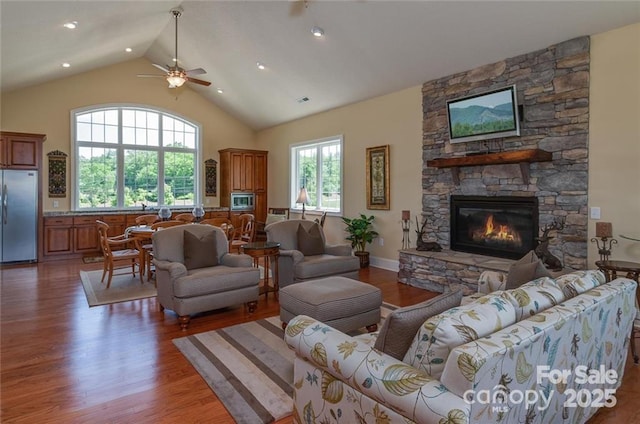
x: 71, y: 25
x: 66, y: 65
x: 317, y: 31
x: 176, y: 79
x: 220, y: 90
x: 260, y: 66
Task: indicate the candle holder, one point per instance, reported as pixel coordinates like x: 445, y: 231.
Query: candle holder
x: 605, y: 249
x: 406, y: 226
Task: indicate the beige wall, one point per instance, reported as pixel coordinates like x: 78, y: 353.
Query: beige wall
x: 614, y: 138
x: 45, y: 109
x: 394, y: 119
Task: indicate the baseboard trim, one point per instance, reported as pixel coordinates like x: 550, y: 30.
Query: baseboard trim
x: 388, y: 264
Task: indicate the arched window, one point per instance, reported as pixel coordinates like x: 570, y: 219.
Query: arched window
x: 125, y: 156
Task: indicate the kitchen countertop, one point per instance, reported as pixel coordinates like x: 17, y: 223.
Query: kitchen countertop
x: 47, y: 214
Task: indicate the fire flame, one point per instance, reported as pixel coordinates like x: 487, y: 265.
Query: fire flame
x: 501, y: 232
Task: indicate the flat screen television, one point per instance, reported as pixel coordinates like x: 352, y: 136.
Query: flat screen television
x: 484, y: 116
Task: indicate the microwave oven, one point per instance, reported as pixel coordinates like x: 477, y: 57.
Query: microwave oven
x: 242, y: 201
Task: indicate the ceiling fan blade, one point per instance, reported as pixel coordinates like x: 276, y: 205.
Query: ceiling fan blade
x: 197, y: 71
x: 161, y: 67
x: 198, y: 81
x: 151, y: 76
x: 297, y: 7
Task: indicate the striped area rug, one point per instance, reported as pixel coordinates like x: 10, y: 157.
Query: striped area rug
x: 248, y: 366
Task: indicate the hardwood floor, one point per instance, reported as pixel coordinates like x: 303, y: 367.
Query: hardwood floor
x: 62, y: 361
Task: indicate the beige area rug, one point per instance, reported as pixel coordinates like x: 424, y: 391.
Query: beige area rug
x: 249, y: 367
x: 123, y: 288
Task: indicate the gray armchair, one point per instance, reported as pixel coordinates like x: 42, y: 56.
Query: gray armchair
x: 320, y: 260
x: 196, y: 273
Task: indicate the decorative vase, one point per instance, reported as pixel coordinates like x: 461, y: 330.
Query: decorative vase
x: 198, y: 212
x: 164, y: 213
x: 364, y: 258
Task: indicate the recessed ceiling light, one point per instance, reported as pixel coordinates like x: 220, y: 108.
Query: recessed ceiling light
x: 66, y: 65
x: 220, y: 90
x: 260, y: 65
x: 71, y: 25
x: 317, y: 31
x: 128, y: 50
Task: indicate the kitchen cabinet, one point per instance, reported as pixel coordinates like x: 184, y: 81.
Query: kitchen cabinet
x: 58, y: 236
x: 20, y: 150
x: 85, y: 234
x: 244, y: 171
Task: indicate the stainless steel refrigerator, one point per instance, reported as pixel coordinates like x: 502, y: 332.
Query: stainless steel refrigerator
x: 19, y: 207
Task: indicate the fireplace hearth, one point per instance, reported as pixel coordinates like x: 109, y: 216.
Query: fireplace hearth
x: 500, y: 226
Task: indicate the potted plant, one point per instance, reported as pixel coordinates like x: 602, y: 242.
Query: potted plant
x: 360, y: 234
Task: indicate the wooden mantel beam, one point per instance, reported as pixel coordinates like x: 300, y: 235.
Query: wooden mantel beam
x: 522, y: 157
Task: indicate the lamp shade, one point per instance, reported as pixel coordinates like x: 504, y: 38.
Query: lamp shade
x: 303, y: 197
x: 406, y: 215
x: 604, y: 229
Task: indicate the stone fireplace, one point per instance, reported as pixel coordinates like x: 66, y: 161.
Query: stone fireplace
x: 553, y: 90
x: 501, y: 226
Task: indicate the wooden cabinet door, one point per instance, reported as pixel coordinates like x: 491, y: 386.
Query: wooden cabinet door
x: 85, y: 234
x: 117, y: 224
x: 236, y: 172
x: 260, y: 206
x: 260, y: 173
x: 58, y: 240
x: 247, y: 172
x: 58, y: 235
x: 22, y: 152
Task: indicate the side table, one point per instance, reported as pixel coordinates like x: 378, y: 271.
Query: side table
x: 610, y: 270
x: 267, y: 250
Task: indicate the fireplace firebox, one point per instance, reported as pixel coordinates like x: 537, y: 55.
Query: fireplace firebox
x: 501, y: 226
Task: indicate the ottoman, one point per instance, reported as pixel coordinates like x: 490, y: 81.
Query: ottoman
x: 340, y: 302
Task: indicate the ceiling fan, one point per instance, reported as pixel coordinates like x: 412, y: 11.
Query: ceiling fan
x: 175, y: 75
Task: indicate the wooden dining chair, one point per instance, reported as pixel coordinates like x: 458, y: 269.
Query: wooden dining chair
x: 147, y: 219
x: 119, y: 252
x: 224, y: 223
x: 244, y: 233
x: 184, y: 217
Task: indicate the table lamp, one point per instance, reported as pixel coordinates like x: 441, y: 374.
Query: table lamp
x: 303, y: 197
x: 604, y: 232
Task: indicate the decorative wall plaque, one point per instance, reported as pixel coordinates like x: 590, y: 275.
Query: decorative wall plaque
x: 57, y: 173
x: 211, y: 177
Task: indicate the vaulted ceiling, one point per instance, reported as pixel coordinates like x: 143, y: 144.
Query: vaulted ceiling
x: 370, y: 48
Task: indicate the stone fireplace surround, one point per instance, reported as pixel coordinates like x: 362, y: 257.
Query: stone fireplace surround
x: 553, y: 89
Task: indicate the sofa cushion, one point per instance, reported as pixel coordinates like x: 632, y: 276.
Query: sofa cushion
x: 534, y: 296
x: 217, y: 279
x: 527, y: 268
x: 401, y: 326
x: 440, y: 334
x: 199, y: 251
x: 323, y: 265
x: 578, y: 282
x: 310, y: 241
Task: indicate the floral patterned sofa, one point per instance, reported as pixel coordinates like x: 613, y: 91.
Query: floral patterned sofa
x: 497, y: 359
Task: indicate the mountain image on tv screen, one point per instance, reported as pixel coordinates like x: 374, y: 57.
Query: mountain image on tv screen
x: 476, y: 119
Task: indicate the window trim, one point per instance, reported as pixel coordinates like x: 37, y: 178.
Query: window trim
x: 73, y: 156
x: 293, y: 175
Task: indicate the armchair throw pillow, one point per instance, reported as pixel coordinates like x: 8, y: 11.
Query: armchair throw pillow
x: 310, y: 242
x: 401, y: 325
x: 200, y: 252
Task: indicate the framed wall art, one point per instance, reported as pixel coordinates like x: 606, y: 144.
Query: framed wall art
x: 211, y: 177
x: 57, y: 173
x: 378, y: 178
